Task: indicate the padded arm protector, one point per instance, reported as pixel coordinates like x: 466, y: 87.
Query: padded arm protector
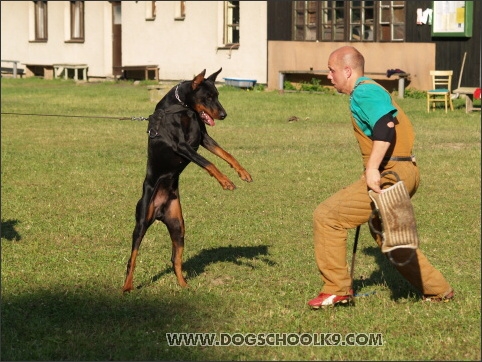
x: 382, y: 130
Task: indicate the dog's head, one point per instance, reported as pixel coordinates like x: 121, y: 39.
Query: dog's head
x: 204, y: 98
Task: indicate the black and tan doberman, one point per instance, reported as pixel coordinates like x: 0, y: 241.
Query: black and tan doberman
x: 175, y: 131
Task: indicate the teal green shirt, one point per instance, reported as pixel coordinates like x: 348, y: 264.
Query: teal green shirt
x: 368, y: 103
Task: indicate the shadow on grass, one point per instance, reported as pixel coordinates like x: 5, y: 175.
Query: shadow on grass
x: 238, y: 255
x: 386, y: 274
x: 99, y: 325
x: 8, y: 230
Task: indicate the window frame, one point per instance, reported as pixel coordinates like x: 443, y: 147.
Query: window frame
x: 231, y: 27
x: 349, y: 21
x: 150, y: 10
x: 330, y: 20
x: 180, y: 10
x: 41, y: 6
x: 77, y: 7
x: 362, y: 25
x: 392, y: 24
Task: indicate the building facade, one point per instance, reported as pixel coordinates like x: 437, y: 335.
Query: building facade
x: 181, y: 37
x: 248, y: 39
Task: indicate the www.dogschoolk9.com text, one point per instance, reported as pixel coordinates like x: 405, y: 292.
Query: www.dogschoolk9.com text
x: 274, y: 339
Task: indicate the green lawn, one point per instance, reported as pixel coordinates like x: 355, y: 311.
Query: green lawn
x: 69, y: 186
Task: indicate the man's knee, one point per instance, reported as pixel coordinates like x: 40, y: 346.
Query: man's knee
x: 319, y: 213
x: 324, y: 215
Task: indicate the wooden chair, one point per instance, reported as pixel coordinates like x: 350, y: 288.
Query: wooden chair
x: 440, y: 92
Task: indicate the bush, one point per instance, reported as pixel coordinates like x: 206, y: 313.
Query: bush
x: 314, y: 86
x: 414, y: 93
x: 259, y: 87
x: 287, y: 85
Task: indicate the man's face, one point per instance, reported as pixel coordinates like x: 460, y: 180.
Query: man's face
x: 337, y: 74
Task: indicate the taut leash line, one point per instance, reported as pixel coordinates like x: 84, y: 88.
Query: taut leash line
x: 133, y: 118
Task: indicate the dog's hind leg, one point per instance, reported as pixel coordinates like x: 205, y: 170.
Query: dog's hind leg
x: 172, y: 218
x: 146, y: 210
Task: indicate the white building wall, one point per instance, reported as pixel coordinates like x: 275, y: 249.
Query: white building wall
x: 17, y: 30
x: 14, y: 29
x: 181, y: 48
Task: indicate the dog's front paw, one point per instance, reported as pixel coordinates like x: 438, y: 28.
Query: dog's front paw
x: 245, y: 176
x: 227, y: 184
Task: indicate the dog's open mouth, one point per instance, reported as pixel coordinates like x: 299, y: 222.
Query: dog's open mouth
x: 206, y: 118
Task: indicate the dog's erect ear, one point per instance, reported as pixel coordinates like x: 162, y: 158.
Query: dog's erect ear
x: 198, y: 79
x: 213, y: 76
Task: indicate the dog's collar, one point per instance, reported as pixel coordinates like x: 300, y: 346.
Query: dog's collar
x: 176, y: 93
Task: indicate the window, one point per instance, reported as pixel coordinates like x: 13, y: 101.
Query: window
x: 41, y: 33
x: 150, y: 10
x: 231, y: 23
x: 77, y: 20
x: 180, y: 10
x: 392, y: 20
x: 306, y: 13
x: 361, y: 21
x: 353, y: 21
x: 332, y: 21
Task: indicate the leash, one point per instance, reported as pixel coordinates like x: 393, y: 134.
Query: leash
x: 355, y: 244
x: 133, y: 118
x: 367, y: 294
x: 352, y: 270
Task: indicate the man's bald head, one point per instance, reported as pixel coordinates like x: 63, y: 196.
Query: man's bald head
x: 351, y: 57
x: 346, y: 65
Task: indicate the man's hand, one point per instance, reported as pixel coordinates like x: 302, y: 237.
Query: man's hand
x: 372, y: 173
x: 372, y: 178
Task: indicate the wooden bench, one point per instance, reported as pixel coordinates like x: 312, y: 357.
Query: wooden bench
x: 13, y: 70
x: 469, y: 98
x: 64, y: 68
x: 374, y: 75
x: 139, y: 68
x: 42, y: 70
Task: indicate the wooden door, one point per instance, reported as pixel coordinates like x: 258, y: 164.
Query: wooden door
x: 116, y: 38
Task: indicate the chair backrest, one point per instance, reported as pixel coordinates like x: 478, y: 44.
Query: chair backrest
x: 442, y: 79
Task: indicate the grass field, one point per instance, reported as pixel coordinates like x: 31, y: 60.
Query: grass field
x: 69, y: 186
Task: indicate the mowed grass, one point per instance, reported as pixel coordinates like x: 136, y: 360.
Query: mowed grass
x: 69, y: 186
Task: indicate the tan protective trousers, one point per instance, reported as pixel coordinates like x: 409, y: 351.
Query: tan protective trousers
x: 351, y: 207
